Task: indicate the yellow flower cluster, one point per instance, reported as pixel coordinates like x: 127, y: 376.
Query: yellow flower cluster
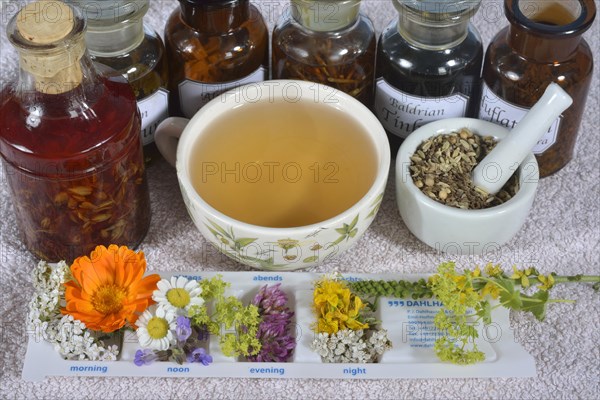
x: 456, y: 291
x: 337, y: 308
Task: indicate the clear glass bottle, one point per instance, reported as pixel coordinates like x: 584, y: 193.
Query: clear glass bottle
x: 117, y: 37
x: 542, y: 44
x: 213, y: 46
x: 428, y: 66
x: 328, y: 42
x: 70, y: 141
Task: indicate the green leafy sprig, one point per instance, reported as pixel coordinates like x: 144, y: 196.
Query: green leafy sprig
x: 469, y: 299
x: 227, y: 318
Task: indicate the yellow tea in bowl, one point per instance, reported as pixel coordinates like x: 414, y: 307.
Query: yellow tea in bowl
x: 283, y: 164
x: 279, y: 175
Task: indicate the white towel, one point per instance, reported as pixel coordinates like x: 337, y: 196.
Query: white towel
x: 562, y: 234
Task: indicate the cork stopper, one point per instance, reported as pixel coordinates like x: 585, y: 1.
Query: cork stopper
x: 56, y: 67
x: 45, y: 22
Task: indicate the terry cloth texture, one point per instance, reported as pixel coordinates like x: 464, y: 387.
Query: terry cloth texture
x: 562, y: 234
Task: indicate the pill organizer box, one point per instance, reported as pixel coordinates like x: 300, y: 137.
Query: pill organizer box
x: 409, y: 324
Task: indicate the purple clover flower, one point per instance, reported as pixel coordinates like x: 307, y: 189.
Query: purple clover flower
x: 183, y: 329
x: 277, y: 344
x: 199, y: 355
x: 144, y: 357
x: 270, y: 298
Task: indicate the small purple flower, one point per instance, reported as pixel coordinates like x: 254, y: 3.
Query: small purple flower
x: 184, y: 329
x: 277, y: 343
x: 269, y: 299
x: 144, y: 357
x: 202, y: 333
x: 199, y: 355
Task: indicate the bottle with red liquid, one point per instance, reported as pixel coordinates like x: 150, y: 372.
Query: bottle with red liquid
x: 70, y: 141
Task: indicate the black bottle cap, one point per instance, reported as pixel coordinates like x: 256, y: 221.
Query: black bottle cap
x: 210, y: 3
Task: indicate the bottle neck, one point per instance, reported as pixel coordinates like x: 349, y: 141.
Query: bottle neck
x: 548, y: 30
x: 325, y: 15
x: 215, y: 17
x: 435, y: 24
x: 51, y: 93
x: 112, y: 40
x: 431, y: 37
x: 54, y: 72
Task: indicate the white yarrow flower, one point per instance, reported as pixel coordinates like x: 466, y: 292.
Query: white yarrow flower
x: 69, y: 337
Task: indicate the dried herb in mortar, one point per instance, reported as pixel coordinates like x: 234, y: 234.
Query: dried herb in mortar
x: 441, y: 168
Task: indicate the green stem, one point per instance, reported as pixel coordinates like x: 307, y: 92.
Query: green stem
x: 576, y: 278
x: 561, y: 301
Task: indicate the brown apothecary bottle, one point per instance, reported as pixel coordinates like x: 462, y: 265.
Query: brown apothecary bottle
x: 329, y: 42
x: 542, y: 44
x: 70, y: 141
x: 213, y: 46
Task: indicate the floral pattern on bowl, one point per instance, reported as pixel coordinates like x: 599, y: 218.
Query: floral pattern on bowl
x: 289, y: 251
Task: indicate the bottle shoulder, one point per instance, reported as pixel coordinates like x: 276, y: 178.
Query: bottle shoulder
x: 503, y: 60
x: 182, y: 37
x: 39, y: 126
x: 500, y: 47
x: 135, y: 65
x: 395, y: 50
x: 300, y: 43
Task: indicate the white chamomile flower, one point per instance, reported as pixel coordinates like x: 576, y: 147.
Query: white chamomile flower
x: 155, y: 328
x: 178, y: 294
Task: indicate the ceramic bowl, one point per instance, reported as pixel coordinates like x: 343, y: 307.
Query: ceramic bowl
x: 453, y: 230
x: 264, y: 247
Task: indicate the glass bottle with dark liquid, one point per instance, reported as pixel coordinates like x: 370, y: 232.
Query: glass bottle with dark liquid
x: 428, y: 66
x: 70, y: 142
x: 542, y: 44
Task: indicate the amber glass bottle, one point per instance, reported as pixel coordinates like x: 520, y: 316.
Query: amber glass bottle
x: 117, y: 37
x: 212, y: 46
x: 70, y: 141
x: 542, y: 44
x: 428, y: 66
x: 328, y: 42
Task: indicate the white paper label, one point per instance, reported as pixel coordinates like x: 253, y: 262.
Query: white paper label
x: 501, y: 112
x: 194, y: 95
x: 153, y: 109
x: 401, y: 113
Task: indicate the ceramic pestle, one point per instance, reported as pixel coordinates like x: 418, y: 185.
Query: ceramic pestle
x: 498, y: 166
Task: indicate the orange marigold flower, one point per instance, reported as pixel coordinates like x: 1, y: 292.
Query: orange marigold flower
x: 108, y: 288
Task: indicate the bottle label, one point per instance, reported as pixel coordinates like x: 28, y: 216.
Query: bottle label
x: 194, y: 95
x: 153, y: 109
x: 401, y: 113
x: 501, y: 112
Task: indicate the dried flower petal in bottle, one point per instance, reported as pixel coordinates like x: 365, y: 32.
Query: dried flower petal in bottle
x: 328, y: 42
x: 213, y: 46
x: 70, y: 141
